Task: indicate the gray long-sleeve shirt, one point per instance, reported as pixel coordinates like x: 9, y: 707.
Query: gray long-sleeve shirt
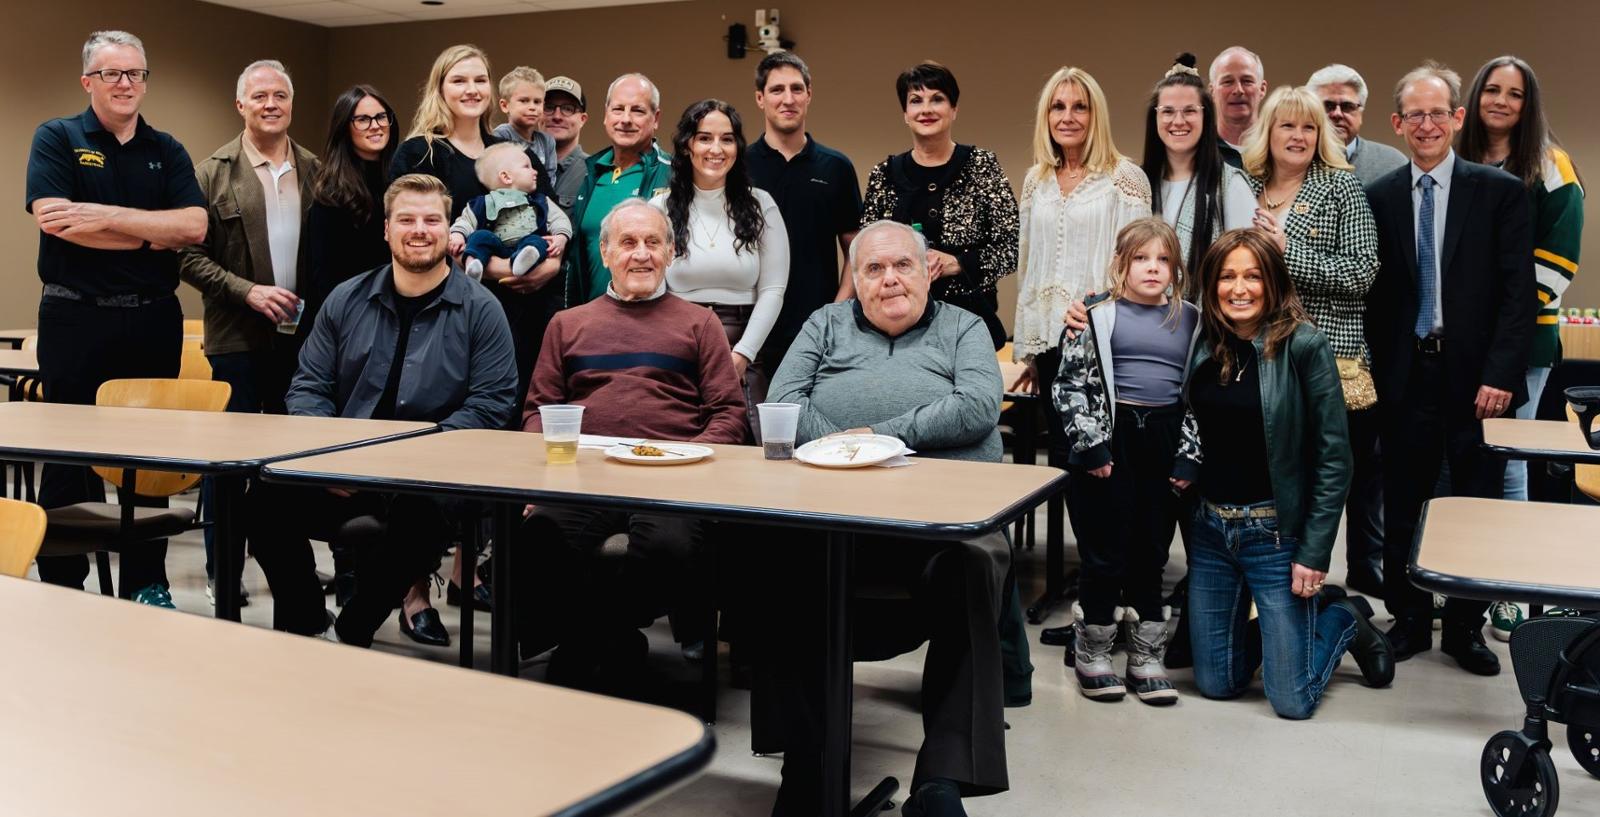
x: 460, y: 364
x: 937, y: 386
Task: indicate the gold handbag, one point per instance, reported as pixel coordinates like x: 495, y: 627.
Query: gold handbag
x: 1356, y: 379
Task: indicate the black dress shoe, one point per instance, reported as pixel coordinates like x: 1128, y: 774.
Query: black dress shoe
x: 1370, y: 649
x: 1365, y: 579
x: 482, y: 598
x: 344, y: 587
x: 1409, y: 636
x: 425, y: 628
x: 1465, y: 645
x: 1056, y: 636
x: 935, y: 798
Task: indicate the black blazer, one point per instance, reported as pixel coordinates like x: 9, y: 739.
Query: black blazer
x: 1486, y: 270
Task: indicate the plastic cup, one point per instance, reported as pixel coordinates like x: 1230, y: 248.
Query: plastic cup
x: 291, y: 324
x: 779, y: 422
x: 562, y: 424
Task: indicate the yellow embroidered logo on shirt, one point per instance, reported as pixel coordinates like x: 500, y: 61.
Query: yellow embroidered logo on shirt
x: 90, y: 158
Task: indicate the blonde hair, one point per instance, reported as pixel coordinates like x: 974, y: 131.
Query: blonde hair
x: 515, y: 76
x: 1130, y: 239
x: 1295, y: 104
x: 1099, y: 151
x: 495, y: 158
x: 434, y: 120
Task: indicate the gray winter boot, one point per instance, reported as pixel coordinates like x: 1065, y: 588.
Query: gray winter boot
x: 1147, y: 649
x: 1091, y: 647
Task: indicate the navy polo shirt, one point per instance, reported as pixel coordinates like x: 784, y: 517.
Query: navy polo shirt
x: 820, y: 198
x: 76, y: 158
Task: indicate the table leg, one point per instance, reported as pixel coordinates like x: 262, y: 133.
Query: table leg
x: 469, y: 581
x: 1059, y: 585
x: 502, y: 621
x: 228, y: 556
x: 837, y: 691
x: 1027, y: 453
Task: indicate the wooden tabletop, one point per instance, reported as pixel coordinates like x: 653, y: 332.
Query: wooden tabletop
x: 1557, y: 440
x: 197, y: 441
x: 16, y: 335
x: 119, y: 708
x: 941, y: 498
x: 17, y: 361
x: 1494, y: 549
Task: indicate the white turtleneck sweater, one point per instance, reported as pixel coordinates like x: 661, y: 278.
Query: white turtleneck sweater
x: 713, y: 273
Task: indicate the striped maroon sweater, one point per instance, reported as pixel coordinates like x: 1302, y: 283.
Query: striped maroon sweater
x: 660, y: 369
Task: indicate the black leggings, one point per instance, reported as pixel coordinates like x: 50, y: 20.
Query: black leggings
x: 1124, y: 522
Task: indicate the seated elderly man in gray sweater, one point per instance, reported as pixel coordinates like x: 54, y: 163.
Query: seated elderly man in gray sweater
x: 897, y: 362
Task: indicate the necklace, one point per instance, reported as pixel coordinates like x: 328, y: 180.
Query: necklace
x: 1238, y: 376
x: 1274, y: 205
x: 697, y: 223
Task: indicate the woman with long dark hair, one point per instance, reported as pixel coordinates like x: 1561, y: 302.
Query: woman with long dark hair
x: 344, y: 225
x: 956, y: 195
x: 1274, y: 469
x: 1505, y: 127
x: 1196, y: 192
x: 732, y: 249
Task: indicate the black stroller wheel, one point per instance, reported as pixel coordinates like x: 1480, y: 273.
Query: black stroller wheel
x: 1584, y: 741
x: 1530, y: 789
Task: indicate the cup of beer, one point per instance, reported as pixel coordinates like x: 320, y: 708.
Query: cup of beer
x: 561, y: 426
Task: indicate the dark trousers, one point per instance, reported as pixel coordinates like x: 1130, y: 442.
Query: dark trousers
x: 572, y: 595
x: 484, y: 245
x: 259, y: 381
x: 1125, y: 521
x: 1421, y: 434
x: 945, y: 594
x: 81, y: 346
x: 1046, y: 364
x: 1363, y: 519
x: 398, y: 540
x: 529, y: 315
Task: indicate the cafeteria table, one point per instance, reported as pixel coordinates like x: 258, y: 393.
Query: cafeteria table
x: 934, y: 499
x: 15, y: 337
x: 1543, y: 440
x: 132, y: 710
x: 227, y: 447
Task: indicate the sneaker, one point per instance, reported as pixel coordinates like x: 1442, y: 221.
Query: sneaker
x: 211, y: 594
x: 1147, y: 648
x: 1091, y: 646
x: 1504, y: 616
x: 1438, y: 611
x: 155, y: 595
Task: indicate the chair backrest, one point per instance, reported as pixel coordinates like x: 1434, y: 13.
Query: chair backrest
x: 22, y: 527
x: 1585, y: 477
x: 194, y: 327
x: 191, y: 395
x: 195, y: 365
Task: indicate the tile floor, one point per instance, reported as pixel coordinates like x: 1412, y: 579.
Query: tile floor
x: 1409, y: 750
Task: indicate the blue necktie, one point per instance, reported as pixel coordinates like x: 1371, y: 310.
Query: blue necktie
x: 1427, y: 262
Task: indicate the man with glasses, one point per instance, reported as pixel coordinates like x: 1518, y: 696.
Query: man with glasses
x: 1238, y: 86
x: 564, y: 116
x: 1344, y: 97
x: 258, y: 187
x: 1450, y: 328
x: 112, y: 197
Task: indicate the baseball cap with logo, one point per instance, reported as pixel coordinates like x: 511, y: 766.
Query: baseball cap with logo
x: 566, y: 85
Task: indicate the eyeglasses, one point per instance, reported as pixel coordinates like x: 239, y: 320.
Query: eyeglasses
x: 112, y: 76
x: 1168, y: 113
x: 365, y: 122
x: 564, y: 108
x: 1415, y: 118
x: 1347, y: 107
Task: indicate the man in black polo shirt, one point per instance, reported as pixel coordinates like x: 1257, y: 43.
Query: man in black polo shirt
x: 112, y: 197
x: 816, y: 190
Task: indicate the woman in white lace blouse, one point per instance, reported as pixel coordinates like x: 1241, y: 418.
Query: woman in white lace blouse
x: 1078, y: 195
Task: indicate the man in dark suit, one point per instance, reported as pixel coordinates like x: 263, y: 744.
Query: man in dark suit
x: 1449, y: 325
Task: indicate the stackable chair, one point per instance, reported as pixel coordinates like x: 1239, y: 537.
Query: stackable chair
x: 21, y: 530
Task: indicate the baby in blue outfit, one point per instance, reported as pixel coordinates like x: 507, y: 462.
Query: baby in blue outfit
x: 513, y: 220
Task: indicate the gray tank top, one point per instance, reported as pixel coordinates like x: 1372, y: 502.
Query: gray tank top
x: 1148, y: 354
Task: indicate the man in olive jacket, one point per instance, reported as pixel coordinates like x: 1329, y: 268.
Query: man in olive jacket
x: 257, y: 187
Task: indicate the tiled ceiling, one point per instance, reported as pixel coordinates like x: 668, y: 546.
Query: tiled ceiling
x: 334, y: 13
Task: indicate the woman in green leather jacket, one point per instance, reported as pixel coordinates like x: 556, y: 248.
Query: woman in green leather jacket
x: 1275, y: 469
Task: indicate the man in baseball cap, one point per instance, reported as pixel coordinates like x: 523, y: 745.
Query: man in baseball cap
x: 564, y: 114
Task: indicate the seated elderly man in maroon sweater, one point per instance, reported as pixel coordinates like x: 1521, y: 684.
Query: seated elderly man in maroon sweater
x: 642, y: 363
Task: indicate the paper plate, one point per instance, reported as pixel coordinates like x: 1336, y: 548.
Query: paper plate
x: 673, y: 454
x: 850, y: 450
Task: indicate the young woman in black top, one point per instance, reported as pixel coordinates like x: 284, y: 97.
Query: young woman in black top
x: 956, y: 195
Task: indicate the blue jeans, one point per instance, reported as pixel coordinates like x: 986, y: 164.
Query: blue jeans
x: 1231, y: 563
x: 1516, y: 484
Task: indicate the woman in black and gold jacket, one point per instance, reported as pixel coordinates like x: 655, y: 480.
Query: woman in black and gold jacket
x: 956, y: 195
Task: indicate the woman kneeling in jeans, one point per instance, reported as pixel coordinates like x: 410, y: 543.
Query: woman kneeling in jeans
x: 1275, y: 469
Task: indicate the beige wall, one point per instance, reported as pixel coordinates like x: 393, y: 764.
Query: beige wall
x: 855, y: 50
x: 195, y: 51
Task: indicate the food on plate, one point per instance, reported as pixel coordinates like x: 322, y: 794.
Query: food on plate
x: 642, y: 450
